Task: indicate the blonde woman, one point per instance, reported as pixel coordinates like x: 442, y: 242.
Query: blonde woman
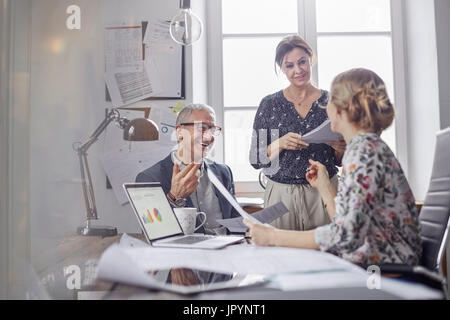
x: 373, y: 213
x: 277, y: 146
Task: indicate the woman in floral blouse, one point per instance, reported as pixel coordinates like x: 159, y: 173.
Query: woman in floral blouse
x: 373, y: 215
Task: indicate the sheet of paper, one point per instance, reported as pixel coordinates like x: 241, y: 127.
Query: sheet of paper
x: 123, y: 48
x: 157, y: 32
x: 229, y: 197
x: 123, y: 165
x: 167, y: 61
x: 289, y: 269
x: 409, y: 290
x: 166, y: 122
x: 322, y: 134
x: 234, y: 224
x: 322, y: 279
x: 237, y: 258
x: 132, y: 242
x: 267, y: 215
x: 129, y: 87
x: 116, y: 265
x: 246, y: 201
x: 346, y: 278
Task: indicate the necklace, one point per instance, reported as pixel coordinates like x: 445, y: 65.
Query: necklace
x: 295, y: 99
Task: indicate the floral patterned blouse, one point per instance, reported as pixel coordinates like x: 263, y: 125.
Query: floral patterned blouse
x: 376, y: 217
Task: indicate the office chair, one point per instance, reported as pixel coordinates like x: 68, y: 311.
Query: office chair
x: 262, y: 180
x: 434, y: 222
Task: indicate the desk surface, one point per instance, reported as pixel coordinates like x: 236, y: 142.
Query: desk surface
x: 85, y: 252
x: 79, y: 251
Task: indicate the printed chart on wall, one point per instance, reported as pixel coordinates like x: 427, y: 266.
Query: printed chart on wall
x: 142, y: 62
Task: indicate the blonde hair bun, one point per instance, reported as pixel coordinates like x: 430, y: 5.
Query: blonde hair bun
x: 363, y: 95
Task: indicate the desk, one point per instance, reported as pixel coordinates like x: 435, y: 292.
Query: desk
x: 85, y: 251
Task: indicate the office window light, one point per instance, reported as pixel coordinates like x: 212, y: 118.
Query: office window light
x: 345, y: 34
x: 352, y: 34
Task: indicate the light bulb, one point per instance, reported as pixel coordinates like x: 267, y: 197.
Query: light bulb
x: 185, y: 27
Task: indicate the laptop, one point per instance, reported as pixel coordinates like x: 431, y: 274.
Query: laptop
x: 160, y: 224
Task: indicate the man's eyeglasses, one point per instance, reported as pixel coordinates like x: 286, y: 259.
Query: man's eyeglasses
x: 204, y: 127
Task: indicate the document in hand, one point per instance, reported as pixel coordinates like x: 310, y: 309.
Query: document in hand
x: 322, y: 134
x: 229, y: 197
x: 267, y: 215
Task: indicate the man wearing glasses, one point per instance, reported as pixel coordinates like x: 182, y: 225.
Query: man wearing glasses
x: 183, y: 173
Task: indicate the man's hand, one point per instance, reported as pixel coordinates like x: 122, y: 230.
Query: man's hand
x: 185, y: 182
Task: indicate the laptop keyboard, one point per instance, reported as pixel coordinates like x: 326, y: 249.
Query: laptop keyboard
x: 190, y: 240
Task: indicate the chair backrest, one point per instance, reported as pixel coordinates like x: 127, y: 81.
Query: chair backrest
x: 434, y: 215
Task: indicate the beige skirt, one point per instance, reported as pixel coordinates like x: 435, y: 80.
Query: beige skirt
x: 306, y: 208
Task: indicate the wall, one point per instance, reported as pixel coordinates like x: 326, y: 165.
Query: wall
x: 442, y: 12
x: 4, y: 147
x: 422, y: 92
x: 68, y: 103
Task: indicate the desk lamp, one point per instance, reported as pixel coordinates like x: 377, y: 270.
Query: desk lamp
x: 185, y: 27
x: 140, y: 129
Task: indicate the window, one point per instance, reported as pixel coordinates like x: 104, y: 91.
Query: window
x: 355, y: 33
x: 345, y: 34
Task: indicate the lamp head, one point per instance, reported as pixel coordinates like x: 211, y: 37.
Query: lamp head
x: 141, y: 129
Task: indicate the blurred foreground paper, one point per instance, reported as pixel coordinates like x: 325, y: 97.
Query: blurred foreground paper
x: 238, y: 258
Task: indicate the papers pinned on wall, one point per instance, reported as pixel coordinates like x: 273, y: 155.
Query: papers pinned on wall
x: 123, y: 48
x: 124, y: 160
x: 166, y: 55
x: 141, y: 62
x: 129, y: 87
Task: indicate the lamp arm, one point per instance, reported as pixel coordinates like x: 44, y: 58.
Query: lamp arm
x: 88, y: 190
x: 86, y: 180
x: 111, y: 116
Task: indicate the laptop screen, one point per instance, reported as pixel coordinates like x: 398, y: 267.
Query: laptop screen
x: 153, y: 210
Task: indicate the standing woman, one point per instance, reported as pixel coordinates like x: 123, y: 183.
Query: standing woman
x: 277, y: 147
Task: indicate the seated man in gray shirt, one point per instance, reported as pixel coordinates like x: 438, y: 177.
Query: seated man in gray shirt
x: 183, y: 173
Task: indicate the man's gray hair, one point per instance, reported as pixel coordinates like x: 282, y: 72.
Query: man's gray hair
x: 185, y: 113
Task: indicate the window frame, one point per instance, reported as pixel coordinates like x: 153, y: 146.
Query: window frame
x: 306, y: 13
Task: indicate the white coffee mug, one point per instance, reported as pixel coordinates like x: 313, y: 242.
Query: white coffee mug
x: 187, y: 218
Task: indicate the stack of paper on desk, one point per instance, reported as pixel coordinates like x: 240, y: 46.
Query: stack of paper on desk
x: 288, y: 268
x: 129, y: 262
